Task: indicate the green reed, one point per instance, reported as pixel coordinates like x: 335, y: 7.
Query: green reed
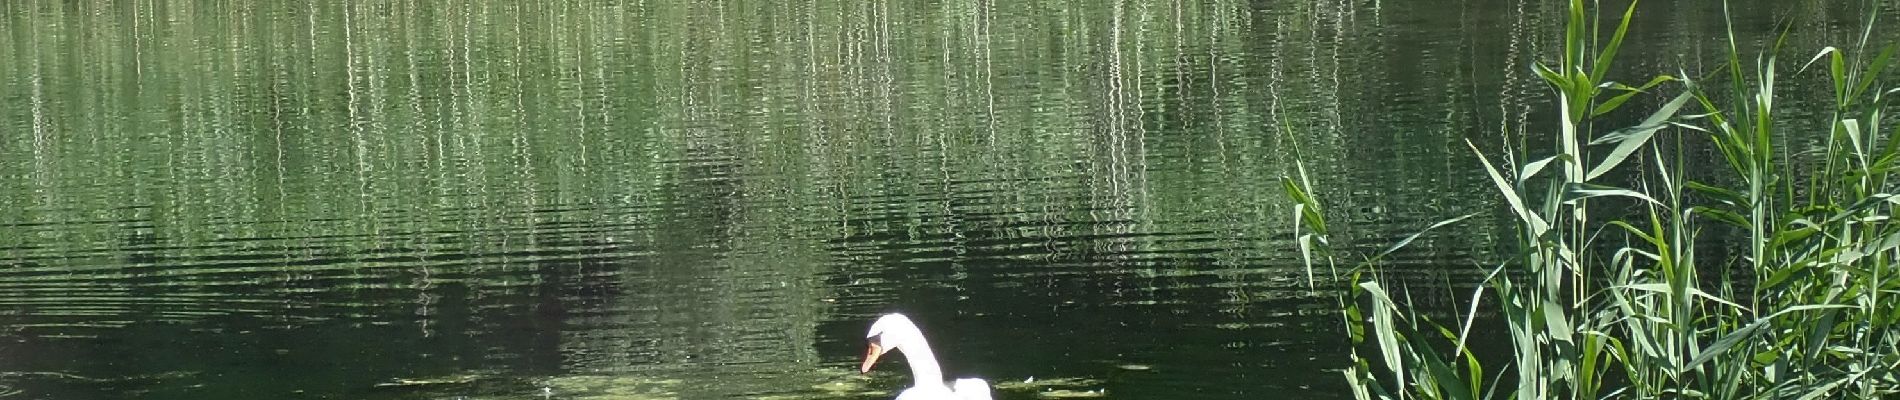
x: 1616, y: 305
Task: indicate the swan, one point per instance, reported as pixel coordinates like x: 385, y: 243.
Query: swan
x: 896, y: 332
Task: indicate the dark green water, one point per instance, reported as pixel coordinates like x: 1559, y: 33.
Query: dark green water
x: 677, y: 199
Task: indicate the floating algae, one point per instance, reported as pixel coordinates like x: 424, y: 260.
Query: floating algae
x: 446, y: 380
x: 839, y: 384
x: 616, y: 387
x: 848, y: 385
x: 1056, y: 388
x: 1072, y: 394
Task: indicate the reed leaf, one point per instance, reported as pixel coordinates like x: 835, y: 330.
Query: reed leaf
x: 1812, y: 316
x: 1632, y: 138
x: 1729, y: 341
x: 1531, y: 169
x: 1628, y: 92
x: 1579, y: 191
x: 1537, y: 224
x: 1415, y: 235
x: 1875, y: 68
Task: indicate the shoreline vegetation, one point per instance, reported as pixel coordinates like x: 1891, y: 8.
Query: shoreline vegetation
x: 1641, y: 271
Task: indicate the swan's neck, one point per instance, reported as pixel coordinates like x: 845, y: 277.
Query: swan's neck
x: 923, y: 363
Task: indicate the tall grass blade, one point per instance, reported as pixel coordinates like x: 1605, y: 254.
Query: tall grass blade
x: 1632, y: 138
x: 1602, y: 67
x: 1579, y: 191
x: 1729, y: 341
x: 1414, y: 236
x: 1537, y: 224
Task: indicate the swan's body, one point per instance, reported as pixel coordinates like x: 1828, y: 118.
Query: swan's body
x: 896, y: 332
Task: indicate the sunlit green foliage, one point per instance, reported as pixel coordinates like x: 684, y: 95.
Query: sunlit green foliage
x: 1602, y: 304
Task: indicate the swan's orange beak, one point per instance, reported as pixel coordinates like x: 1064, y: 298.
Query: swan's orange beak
x: 870, y: 357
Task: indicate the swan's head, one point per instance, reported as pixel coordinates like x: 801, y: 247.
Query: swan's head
x: 891, y: 332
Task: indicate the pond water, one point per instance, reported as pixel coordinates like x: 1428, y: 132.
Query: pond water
x: 659, y: 199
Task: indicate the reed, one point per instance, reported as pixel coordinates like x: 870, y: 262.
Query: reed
x: 1602, y: 305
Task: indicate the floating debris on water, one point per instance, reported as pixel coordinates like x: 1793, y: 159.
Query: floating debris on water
x: 1056, y: 388
x: 1034, y: 383
x: 621, y: 387
x: 1072, y: 394
x: 447, y: 380
x: 845, y: 385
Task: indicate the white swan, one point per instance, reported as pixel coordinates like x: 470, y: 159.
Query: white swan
x: 896, y: 332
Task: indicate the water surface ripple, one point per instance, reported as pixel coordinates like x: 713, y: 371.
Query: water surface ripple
x: 688, y: 199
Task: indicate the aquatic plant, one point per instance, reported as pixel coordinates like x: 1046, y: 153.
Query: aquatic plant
x: 1601, y: 304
